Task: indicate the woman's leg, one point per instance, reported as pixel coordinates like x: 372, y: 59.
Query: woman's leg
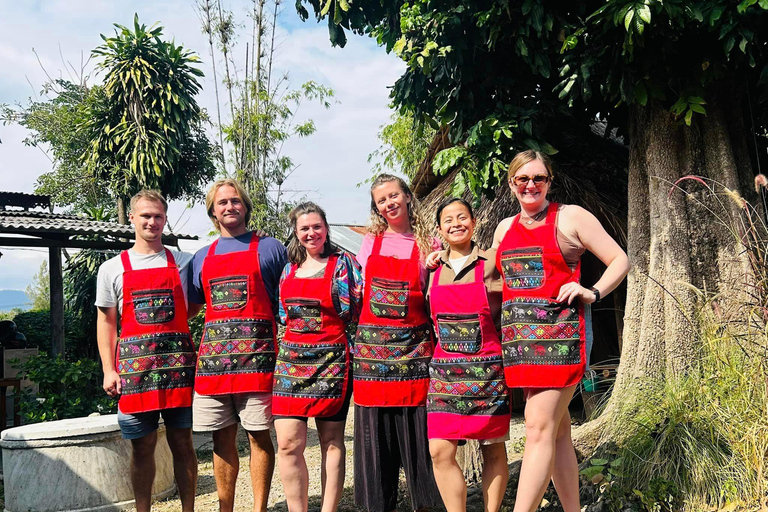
x: 334, y: 454
x: 495, y: 475
x: 291, y: 441
x: 566, y: 472
x: 543, y: 411
x: 448, y: 474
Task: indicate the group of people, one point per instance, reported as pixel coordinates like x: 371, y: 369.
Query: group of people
x: 426, y: 340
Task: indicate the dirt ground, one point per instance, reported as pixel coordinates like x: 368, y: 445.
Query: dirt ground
x: 206, y: 488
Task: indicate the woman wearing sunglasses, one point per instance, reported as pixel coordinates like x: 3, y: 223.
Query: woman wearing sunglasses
x: 543, y: 328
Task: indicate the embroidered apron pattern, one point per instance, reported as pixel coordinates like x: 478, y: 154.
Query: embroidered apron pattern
x: 468, y: 386
x: 389, y: 298
x: 153, y: 306
x: 540, y: 332
x: 523, y: 268
x: 391, y: 353
x: 311, y: 370
x: 303, y: 315
x: 238, y: 345
x: 229, y: 292
x: 459, y: 332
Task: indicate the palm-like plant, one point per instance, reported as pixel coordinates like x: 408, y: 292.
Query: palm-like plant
x: 148, y: 133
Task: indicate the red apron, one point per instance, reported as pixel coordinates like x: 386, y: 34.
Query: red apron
x: 237, y: 352
x: 155, y: 356
x: 393, y: 343
x: 542, y: 340
x: 312, y: 360
x: 468, y: 398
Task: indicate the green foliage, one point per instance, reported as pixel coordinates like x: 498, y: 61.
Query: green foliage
x: 404, y: 145
x: 505, y: 76
x: 36, y: 327
x: 196, y: 324
x: 39, y: 291
x: 67, y: 389
x: 147, y: 130
x: 80, y: 296
x: 57, y: 128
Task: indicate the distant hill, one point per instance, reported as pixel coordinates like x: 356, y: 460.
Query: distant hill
x: 10, y: 299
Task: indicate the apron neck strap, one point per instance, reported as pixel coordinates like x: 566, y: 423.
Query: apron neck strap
x: 212, y: 248
x: 253, y: 246
x: 551, y: 213
x: 171, y: 261
x: 377, y: 245
x: 126, y: 261
x: 479, y: 270
x: 436, y: 278
x: 330, y: 266
x: 415, y: 254
x: 169, y: 258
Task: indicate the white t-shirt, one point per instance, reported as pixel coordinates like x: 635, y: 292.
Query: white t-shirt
x: 458, y: 263
x: 109, y: 283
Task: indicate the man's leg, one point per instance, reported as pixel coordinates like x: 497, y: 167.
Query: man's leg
x: 262, y: 466
x: 141, y: 430
x: 184, y: 465
x: 217, y: 414
x: 226, y: 465
x: 255, y: 411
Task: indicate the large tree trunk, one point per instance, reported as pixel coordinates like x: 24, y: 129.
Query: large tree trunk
x: 674, y: 241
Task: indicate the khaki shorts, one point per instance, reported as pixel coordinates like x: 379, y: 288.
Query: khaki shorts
x: 488, y: 442
x: 214, y: 412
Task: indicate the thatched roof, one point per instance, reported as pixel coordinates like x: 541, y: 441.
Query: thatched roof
x: 590, y: 171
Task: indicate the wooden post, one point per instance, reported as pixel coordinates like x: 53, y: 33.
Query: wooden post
x: 57, y: 301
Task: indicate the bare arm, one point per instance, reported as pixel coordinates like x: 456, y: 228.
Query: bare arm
x: 581, y: 224
x: 106, y: 337
x: 501, y: 230
x: 193, y: 309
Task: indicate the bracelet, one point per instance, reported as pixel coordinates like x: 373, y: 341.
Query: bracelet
x: 596, y: 292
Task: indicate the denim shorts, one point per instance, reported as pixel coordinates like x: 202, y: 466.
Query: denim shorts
x: 135, y: 426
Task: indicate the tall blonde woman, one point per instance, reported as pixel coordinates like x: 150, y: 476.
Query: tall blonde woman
x: 393, y: 346
x: 543, y: 328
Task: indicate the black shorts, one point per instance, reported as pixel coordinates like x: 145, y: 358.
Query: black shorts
x: 339, y: 416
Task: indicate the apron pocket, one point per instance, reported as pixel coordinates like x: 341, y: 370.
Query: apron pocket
x: 238, y: 345
x: 540, y: 331
x: 228, y: 293
x: 311, y: 370
x: 472, y: 386
x: 150, y: 362
x: 304, y: 315
x: 459, y: 332
x: 153, y: 306
x: 523, y: 268
x: 389, y: 298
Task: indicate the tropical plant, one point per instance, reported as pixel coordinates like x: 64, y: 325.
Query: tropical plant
x: 39, y: 290
x: 263, y: 109
x: 67, y: 389
x: 148, y: 130
x: 404, y: 146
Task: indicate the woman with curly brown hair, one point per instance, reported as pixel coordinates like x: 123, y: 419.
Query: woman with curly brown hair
x: 393, y: 346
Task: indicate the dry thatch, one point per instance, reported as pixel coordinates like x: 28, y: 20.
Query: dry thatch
x: 590, y: 171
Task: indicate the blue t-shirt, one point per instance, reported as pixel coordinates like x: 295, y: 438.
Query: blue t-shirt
x: 272, y: 258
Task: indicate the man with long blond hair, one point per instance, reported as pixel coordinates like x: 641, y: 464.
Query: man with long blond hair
x: 151, y: 365
x: 237, y: 278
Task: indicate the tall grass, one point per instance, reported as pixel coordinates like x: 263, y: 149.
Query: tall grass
x: 706, y: 431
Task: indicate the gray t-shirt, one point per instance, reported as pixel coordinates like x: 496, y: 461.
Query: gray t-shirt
x: 109, y: 283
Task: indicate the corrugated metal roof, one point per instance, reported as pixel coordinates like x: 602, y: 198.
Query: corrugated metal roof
x: 349, y: 237
x: 37, y: 223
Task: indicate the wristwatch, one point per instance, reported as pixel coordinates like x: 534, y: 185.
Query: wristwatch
x: 596, y: 292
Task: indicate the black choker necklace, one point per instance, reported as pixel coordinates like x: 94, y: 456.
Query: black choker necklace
x: 536, y: 217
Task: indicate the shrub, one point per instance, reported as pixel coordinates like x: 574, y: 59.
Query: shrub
x: 68, y: 389
x: 36, y: 326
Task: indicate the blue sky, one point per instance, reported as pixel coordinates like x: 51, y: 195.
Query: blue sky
x: 332, y: 161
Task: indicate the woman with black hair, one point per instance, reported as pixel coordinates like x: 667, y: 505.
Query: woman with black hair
x: 467, y: 396
x: 320, y: 295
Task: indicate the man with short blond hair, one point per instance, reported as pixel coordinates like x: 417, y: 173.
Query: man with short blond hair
x: 151, y: 366
x: 237, y: 278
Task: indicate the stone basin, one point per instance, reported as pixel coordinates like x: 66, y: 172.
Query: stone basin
x: 79, y: 464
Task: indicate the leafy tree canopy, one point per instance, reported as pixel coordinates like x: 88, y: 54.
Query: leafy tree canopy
x: 505, y: 75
